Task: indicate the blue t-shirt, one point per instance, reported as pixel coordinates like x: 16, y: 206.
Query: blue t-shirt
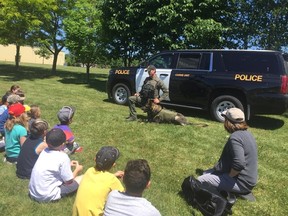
x: 12, y: 140
x: 3, y: 118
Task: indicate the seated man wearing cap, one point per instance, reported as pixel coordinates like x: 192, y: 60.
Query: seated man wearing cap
x: 97, y: 182
x: 65, y: 116
x: 157, y: 84
x: 236, y: 170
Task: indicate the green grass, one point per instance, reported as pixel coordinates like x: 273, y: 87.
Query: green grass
x: 173, y: 152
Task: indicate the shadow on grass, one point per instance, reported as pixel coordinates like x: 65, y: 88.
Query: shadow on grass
x: 98, y: 82
x: 265, y: 122
x: 260, y: 122
x: 10, y: 74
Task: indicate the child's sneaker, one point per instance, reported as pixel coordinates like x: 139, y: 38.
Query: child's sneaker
x: 66, y: 150
x: 77, y: 147
x: 8, y: 162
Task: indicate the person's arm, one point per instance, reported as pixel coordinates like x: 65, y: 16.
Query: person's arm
x: 119, y: 174
x: 41, y: 147
x: 22, y: 140
x: 77, y: 170
x: 164, y: 89
x: 238, y: 160
x: 233, y: 172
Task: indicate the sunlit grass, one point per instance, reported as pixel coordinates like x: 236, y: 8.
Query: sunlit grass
x: 173, y: 152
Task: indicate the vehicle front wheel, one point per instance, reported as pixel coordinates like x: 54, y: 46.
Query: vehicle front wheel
x: 121, y: 93
x: 222, y: 103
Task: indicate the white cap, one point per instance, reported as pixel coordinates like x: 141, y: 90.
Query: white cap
x: 234, y: 115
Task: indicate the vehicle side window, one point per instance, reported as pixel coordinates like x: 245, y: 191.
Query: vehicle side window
x: 250, y: 62
x: 194, y: 61
x: 205, y: 61
x: 189, y: 61
x: 162, y: 61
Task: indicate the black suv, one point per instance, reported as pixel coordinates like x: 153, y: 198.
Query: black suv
x: 212, y: 80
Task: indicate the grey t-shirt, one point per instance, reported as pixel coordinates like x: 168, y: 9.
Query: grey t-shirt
x: 240, y: 153
x: 120, y: 204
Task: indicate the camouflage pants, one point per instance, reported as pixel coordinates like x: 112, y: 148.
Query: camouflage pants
x: 133, y: 100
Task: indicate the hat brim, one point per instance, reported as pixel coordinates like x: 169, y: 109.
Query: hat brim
x: 224, y: 113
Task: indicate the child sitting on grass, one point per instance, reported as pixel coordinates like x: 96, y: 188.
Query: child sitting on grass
x: 31, y: 149
x: 65, y: 116
x: 3, y: 118
x: 33, y: 114
x: 52, y: 177
x: 97, y: 182
x: 15, y: 132
x: 130, y: 203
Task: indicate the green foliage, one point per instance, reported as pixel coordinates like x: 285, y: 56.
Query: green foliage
x: 43, y: 52
x: 173, y: 152
x: 271, y: 31
x: 134, y: 29
x: 18, y: 20
x: 257, y: 23
x: 82, y: 27
x: 127, y: 31
x: 52, y: 34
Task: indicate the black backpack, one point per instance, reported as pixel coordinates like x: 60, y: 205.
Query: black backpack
x: 146, y: 93
x: 207, y: 199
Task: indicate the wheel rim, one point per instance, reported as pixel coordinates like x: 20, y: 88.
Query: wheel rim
x: 222, y: 106
x: 120, y: 95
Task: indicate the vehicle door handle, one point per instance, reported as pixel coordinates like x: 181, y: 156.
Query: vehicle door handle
x: 164, y: 75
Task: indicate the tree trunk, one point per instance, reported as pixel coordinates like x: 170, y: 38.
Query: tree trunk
x: 17, y: 57
x: 55, y: 57
x: 88, y: 72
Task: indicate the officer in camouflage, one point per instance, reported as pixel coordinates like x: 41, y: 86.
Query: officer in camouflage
x: 138, y: 98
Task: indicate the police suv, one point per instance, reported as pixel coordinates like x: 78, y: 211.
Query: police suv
x: 212, y: 80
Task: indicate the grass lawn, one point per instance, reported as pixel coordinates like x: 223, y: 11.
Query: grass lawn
x: 174, y: 152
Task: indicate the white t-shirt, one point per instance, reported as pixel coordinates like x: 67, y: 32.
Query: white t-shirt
x: 2, y: 109
x: 50, y: 171
x: 120, y: 204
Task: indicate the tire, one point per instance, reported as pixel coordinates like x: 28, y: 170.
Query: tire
x: 120, y: 93
x: 223, y: 103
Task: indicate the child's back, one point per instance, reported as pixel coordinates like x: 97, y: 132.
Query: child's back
x: 52, y: 177
x: 96, y: 184
x: 15, y: 132
x: 65, y: 117
x: 31, y: 149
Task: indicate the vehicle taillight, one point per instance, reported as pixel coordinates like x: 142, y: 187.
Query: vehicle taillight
x: 284, y: 83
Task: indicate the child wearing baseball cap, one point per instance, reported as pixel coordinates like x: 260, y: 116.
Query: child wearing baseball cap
x: 52, y: 177
x: 15, y: 128
x: 65, y: 117
x: 91, y: 201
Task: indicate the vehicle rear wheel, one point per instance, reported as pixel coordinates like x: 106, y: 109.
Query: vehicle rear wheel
x: 223, y: 103
x: 121, y: 93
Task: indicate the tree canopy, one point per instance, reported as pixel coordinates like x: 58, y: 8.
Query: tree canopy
x: 18, y: 20
x: 82, y: 27
x: 107, y: 31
